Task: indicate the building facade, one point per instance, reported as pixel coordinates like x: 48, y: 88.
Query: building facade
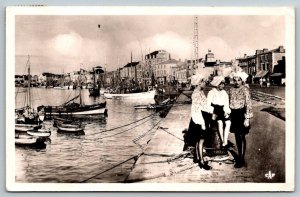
x: 265, y: 63
x: 153, y: 59
x: 165, y: 71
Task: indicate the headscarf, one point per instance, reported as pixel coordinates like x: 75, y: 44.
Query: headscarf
x: 195, y: 80
x: 241, y: 75
x: 217, y: 80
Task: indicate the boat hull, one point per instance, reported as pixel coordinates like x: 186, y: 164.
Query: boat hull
x: 39, y: 133
x: 88, y: 110
x: 140, y: 95
x: 94, y: 91
x: 26, y: 127
x: 70, y: 129
x: 31, y: 141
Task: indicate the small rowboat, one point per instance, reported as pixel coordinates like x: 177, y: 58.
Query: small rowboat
x: 36, y: 142
x: 70, y: 128
x: 26, y: 127
x: 39, y: 133
x: 25, y: 141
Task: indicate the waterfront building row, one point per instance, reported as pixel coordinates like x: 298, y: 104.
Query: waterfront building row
x: 269, y: 64
x: 158, y: 66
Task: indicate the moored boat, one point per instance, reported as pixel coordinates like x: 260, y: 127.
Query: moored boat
x: 75, y: 109
x: 70, y: 128
x: 26, y: 117
x: 26, y: 127
x: 139, y: 95
x: 31, y: 141
x: 94, y: 89
x: 39, y: 133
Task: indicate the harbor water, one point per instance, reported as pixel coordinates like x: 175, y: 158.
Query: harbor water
x: 82, y: 158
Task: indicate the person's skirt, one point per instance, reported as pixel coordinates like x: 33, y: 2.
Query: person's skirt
x: 219, y: 111
x: 237, y: 117
x: 195, y: 130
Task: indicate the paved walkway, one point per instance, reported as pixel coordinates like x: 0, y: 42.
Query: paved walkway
x: 164, y: 161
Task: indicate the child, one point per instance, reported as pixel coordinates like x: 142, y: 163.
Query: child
x: 218, y: 105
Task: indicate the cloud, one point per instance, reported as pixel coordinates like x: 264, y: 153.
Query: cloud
x: 67, y: 44
x: 69, y: 50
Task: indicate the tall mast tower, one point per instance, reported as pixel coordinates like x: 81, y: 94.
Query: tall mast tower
x: 196, y: 41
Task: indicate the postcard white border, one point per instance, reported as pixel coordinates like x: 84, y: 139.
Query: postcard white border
x: 289, y: 14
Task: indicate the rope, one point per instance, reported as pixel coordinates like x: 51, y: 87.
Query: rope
x: 173, y: 158
x: 143, y: 135
x: 123, y: 125
x: 164, y: 129
x: 266, y: 94
x: 170, y: 172
x: 143, y: 111
x: 125, y: 130
x: 134, y: 141
x: 134, y: 157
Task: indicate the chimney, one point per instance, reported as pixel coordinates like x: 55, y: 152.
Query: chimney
x: 245, y: 55
x: 265, y: 50
x: 169, y: 56
x: 258, y: 52
x: 281, y: 49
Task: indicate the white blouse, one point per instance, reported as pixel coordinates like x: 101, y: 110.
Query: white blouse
x: 199, y: 104
x: 218, y: 97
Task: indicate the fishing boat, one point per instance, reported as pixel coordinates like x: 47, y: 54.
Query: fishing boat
x: 132, y: 92
x: 75, y: 109
x: 94, y: 89
x: 140, y: 95
x: 161, y: 105
x: 26, y: 117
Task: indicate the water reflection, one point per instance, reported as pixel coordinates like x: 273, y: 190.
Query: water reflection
x: 106, y: 142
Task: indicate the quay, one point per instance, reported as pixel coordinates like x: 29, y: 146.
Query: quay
x: 164, y: 160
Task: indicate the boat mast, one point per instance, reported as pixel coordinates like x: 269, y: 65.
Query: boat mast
x: 196, y: 53
x: 29, y: 83
x: 135, y: 74
x: 80, y: 99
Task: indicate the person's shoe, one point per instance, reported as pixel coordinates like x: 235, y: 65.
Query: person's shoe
x: 239, y: 164
x: 228, y: 145
x: 200, y: 165
x: 195, y: 160
x: 206, y: 166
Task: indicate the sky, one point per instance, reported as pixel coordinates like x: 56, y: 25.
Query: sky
x: 61, y: 44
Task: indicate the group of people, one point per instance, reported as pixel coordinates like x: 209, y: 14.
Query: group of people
x: 263, y: 81
x: 229, y: 111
